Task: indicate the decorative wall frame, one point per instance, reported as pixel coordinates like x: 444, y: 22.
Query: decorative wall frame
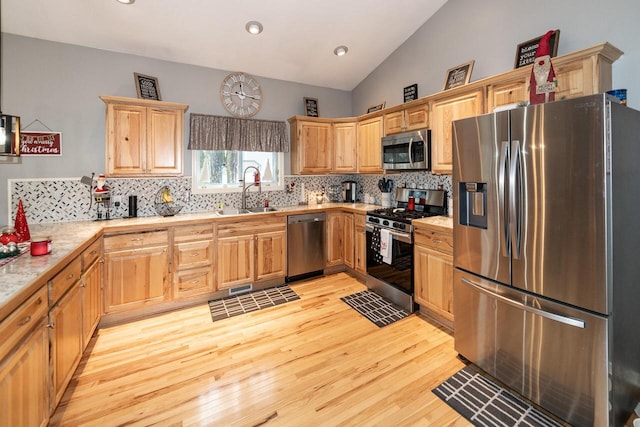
x: 458, y: 76
x: 376, y: 107
x: 526, y: 51
x: 147, y: 87
x: 410, y: 93
x: 311, y: 107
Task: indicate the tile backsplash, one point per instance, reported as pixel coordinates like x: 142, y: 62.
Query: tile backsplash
x: 67, y: 199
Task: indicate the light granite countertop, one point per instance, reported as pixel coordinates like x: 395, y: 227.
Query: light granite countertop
x: 443, y: 223
x: 21, y: 277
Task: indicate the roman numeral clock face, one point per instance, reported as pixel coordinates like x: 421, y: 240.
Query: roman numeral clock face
x: 241, y: 95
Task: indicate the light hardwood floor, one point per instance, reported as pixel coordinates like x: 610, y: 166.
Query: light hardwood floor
x: 311, y: 362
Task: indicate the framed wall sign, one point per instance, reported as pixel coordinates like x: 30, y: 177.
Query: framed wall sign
x: 311, y: 107
x: 40, y: 143
x: 458, y: 76
x: 376, y: 107
x: 526, y: 51
x: 410, y: 92
x: 147, y: 87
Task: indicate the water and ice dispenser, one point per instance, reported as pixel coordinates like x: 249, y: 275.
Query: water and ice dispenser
x: 472, y: 204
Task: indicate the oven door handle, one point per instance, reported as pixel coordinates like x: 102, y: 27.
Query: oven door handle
x: 403, y: 237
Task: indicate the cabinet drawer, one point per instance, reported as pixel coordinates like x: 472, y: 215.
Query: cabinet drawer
x: 193, y: 254
x: 193, y: 232
x: 361, y: 220
x: 193, y: 282
x: 91, y: 254
x: 134, y: 240
x: 243, y: 228
x: 20, y: 322
x: 434, y: 239
x: 64, y: 280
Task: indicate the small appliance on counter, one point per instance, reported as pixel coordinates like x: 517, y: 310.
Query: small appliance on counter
x: 349, y: 191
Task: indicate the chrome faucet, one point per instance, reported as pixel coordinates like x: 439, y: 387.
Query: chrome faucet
x: 245, y: 187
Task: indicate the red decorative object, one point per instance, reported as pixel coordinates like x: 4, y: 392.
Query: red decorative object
x: 21, y: 226
x: 543, y: 78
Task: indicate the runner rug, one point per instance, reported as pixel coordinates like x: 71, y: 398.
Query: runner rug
x: 239, y: 304
x: 375, y: 308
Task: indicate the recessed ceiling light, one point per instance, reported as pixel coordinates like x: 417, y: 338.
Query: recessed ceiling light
x: 126, y: 1
x: 340, y: 51
x: 253, y: 27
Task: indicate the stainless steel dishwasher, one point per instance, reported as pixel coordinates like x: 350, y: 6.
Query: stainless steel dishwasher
x: 305, y: 245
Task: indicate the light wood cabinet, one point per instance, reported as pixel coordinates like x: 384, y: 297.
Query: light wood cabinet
x: 506, y: 93
x: 91, y: 300
x: 193, y: 249
x: 136, y: 270
x: 443, y: 112
x: 345, y: 158
x: 410, y: 118
x: 340, y: 239
x: 360, y: 245
x: 311, y: 146
x: 143, y: 137
x: 24, y: 372
x: 433, y: 272
x: 370, y: 133
x: 251, y: 252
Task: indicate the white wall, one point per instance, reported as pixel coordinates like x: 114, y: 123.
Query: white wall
x: 488, y: 32
x: 59, y: 85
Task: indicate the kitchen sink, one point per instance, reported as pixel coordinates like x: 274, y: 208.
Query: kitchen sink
x: 236, y: 211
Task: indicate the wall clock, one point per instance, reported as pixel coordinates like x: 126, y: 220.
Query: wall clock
x: 241, y: 94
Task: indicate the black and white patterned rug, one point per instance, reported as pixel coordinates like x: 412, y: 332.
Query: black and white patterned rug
x: 375, y: 308
x: 239, y: 304
x: 485, y: 403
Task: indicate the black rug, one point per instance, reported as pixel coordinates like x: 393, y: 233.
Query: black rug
x: 484, y: 403
x: 375, y: 308
x: 239, y: 304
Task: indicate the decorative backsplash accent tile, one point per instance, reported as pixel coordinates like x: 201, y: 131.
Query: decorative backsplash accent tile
x: 49, y: 200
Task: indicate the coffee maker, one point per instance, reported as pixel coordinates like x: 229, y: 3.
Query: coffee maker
x: 349, y: 191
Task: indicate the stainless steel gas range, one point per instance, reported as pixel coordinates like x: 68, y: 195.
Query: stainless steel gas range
x: 390, y: 243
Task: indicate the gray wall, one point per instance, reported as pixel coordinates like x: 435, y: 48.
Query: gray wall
x: 489, y: 31
x: 59, y: 85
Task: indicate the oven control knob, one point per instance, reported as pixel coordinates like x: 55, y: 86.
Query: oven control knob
x: 399, y: 225
x: 376, y: 220
x: 385, y: 222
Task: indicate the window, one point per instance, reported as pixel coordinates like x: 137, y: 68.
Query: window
x: 221, y: 171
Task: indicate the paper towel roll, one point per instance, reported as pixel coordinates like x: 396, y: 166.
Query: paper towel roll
x: 303, y: 198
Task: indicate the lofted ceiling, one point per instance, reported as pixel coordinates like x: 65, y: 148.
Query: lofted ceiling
x: 296, y: 45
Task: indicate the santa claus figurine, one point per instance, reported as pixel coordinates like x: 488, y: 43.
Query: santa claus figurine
x: 543, y: 79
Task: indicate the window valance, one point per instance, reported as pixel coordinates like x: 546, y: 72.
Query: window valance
x: 209, y: 132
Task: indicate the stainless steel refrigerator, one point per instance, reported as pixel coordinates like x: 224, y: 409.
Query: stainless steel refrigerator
x: 547, y: 254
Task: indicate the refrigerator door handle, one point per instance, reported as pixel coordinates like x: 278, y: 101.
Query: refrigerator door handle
x: 515, y: 198
x: 552, y: 316
x: 502, y: 175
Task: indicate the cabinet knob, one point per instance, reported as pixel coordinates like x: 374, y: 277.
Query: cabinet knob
x: 24, y: 321
x: 50, y: 325
x: 437, y: 241
x: 70, y: 276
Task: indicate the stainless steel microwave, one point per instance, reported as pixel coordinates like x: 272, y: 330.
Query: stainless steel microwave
x: 407, y: 150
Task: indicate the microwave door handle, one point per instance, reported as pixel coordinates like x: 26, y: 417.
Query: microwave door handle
x: 502, y: 214
x: 410, y: 152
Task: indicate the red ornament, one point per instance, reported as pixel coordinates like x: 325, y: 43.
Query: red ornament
x: 542, y: 87
x: 21, y: 226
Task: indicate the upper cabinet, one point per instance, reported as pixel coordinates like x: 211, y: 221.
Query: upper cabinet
x: 443, y: 112
x: 144, y: 137
x: 370, y: 132
x: 311, y: 147
x: 345, y: 159
x: 406, y: 119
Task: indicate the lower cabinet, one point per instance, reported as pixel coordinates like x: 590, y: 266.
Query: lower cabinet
x: 91, y: 283
x: 251, y: 252
x: 360, y: 244
x: 340, y: 230
x: 24, y: 364
x: 136, y: 270
x: 193, y: 249
x: 433, y: 273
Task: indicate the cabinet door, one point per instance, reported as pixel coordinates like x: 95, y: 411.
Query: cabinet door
x: 66, y: 340
x: 126, y: 139
x: 164, y: 141
x: 344, y: 147
x: 136, y: 277
x: 348, y: 239
x: 24, y: 382
x: 444, y: 112
x: 574, y: 80
x: 394, y: 122
x: 508, y: 93
x: 433, y: 276
x: 236, y: 261
x: 360, y: 244
x: 271, y: 255
x: 335, y: 238
x: 91, y: 300
x: 416, y: 117
x: 370, y: 146
x: 315, y: 153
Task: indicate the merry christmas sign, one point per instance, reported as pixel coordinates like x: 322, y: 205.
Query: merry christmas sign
x: 40, y: 143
